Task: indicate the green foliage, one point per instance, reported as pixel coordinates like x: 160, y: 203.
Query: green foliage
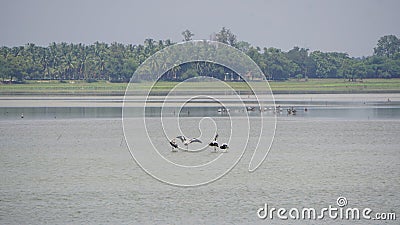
x: 388, y: 46
x: 117, y: 62
x: 226, y: 36
x: 187, y: 35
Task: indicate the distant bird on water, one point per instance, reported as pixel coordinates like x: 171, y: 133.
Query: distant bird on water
x: 174, y: 145
x: 224, y: 147
x: 214, y: 143
x: 187, y: 141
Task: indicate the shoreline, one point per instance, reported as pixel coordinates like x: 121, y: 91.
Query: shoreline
x: 104, y: 88
x: 117, y: 101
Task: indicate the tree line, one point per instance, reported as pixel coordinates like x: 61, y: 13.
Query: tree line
x: 117, y: 62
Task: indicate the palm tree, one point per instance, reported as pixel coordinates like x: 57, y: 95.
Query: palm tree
x: 174, y: 70
x: 187, y: 35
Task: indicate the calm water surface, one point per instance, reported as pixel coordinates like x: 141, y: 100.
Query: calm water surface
x: 313, y: 112
x: 70, y: 166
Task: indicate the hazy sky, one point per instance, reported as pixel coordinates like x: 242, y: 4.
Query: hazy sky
x: 352, y: 26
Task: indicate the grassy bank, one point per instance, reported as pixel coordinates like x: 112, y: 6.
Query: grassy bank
x: 337, y: 86
x: 291, y: 86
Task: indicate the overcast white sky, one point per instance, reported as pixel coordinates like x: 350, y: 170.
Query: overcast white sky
x: 352, y: 26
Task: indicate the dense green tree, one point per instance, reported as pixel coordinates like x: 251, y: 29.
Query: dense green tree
x: 117, y: 62
x: 353, y: 69
x: 300, y: 56
x: 226, y: 36
x: 328, y: 65
x: 388, y: 46
x: 5, y: 69
x: 243, y: 46
x: 187, y: 35
x: 277, y: 65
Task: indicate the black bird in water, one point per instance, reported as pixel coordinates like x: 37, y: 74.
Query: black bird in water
x: 224, y: 147
x: 186, y: 141
x: 174, y: 145
x: 214, y: 143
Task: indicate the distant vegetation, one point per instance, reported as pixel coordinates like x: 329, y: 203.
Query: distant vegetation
x: 117, y: 62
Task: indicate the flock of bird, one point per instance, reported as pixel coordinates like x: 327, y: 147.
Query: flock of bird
x: 278, y: 109
x: 186, y: 141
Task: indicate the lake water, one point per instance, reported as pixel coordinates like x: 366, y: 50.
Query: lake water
x: 68, y: 164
